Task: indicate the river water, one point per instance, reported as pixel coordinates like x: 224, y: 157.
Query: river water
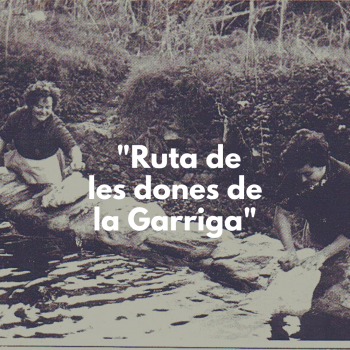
x: 49, y: 295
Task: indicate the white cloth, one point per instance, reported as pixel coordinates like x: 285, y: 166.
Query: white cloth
x: 71, y: 189
x: 43, y: 171
x: 289, y: 292
x: 292, y: 290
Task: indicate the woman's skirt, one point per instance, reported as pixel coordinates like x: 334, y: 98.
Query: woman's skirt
x: 43, y: 171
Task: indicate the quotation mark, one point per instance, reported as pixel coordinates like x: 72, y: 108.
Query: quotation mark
x: 248, y: 211
x: 120, y: 149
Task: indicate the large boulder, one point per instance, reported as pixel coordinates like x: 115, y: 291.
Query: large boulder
x: 332, y: 295
x: 24, y: 203
x: 246, y: 264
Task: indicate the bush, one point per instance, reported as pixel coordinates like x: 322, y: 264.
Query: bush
x: 264, y: 113
x: 78, y: 60
x: 165, y: 91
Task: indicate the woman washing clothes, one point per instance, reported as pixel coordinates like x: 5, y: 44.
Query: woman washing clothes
x: 39, y: 137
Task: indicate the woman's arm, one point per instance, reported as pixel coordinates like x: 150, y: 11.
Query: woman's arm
x: 77, y: 159
x: 317, y: 260
x: 339, y: 244
x: 282, y: 227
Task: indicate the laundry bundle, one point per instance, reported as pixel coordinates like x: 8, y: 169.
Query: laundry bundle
x: 70, y: 190
x: 289, y: 292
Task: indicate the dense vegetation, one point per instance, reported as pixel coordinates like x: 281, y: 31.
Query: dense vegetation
x: 260, y: 69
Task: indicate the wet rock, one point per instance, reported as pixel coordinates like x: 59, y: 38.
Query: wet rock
x: 336, y: 301
x: 25, y: 206
x: 254, y: 261
x: 6, y: 176
x: 20, y: 313
x: 189, y: 245
x: 83, y: 224
x: 59, y: 223
x: 332, y: 296
x: 204, y: 264
x: 227, y: 249
x: 243, y: 276
x: 125, y: 237
x: 261, y: 245
x: 182, y: 249
x: 245, y: 264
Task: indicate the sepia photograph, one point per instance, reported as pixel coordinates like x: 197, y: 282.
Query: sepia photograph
x: 174, y: 173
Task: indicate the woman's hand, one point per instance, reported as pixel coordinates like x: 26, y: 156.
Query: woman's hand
x: 77, y: 166
x: 77, y: 159
x: 317, y: 260
x: 289, y: 261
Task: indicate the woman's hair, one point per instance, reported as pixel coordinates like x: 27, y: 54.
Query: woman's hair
x: 41, y: 89
x: 306, y: 147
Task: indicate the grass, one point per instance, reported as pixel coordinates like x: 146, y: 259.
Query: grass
x: 184, y: 66
x: 72, y: 54
x: 172, y: 56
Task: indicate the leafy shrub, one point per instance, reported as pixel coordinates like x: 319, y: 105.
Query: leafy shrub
x: 264, y: 114
x: 171, y: 91
x: 65, y: 52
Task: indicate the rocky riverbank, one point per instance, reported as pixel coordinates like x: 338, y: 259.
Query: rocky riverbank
x: 246, y: 264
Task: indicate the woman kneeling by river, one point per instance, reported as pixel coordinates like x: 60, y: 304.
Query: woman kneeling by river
x: 39, y: 138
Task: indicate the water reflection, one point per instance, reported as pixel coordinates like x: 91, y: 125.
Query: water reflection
x: 284, y: 327
x: 47, y: 291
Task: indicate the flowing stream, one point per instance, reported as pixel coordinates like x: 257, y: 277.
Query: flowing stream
x: 84, y: 297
